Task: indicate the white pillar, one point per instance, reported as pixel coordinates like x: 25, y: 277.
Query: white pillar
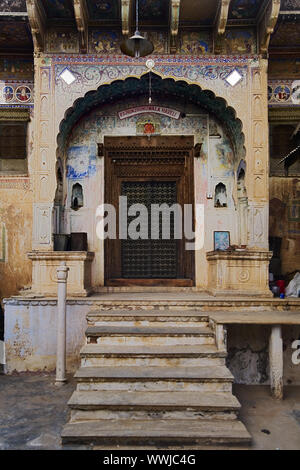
x: 276, y: 362
x: 62, y: 274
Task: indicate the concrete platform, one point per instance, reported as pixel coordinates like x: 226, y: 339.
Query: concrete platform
x: 154, y: 401
x: 123, y: 431
x: 28, y: 421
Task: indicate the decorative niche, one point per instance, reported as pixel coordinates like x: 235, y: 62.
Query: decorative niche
x: 220, y: 195
x: 77, y: 197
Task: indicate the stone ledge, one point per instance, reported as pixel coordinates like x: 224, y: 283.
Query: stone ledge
x: 44, y: 276
x: 239, y: 273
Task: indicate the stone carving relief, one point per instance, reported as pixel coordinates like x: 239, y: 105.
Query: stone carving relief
x: 42, y: 224
x: 44, y: 81
x: 258, y: 134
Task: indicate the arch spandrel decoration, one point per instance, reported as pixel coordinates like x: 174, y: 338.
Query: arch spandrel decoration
x: 132, y: 86
x: 209, y: 73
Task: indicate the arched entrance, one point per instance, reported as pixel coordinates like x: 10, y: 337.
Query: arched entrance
x: 212, y: 158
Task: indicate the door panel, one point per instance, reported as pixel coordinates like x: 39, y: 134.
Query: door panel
x: 150, y: 258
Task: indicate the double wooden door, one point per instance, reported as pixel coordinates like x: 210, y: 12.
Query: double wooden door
x: 148, y: 172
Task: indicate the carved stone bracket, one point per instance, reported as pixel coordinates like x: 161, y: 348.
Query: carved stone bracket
x: 267, y: 24
x: 37, y: 20
x: 81, y: 17
x: 125, y: 12
x: 174, y: 24
x: 221, y: 19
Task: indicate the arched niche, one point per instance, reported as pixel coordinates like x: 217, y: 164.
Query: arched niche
x: 221, y: 195
x: 77, y: 197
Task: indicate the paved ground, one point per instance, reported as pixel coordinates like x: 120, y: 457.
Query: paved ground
x: 33, y: 411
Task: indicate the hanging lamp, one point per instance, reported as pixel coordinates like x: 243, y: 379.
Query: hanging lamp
x: 137, y: 46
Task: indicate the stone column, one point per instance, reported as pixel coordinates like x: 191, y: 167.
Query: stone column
x: 43, y: 168
x: 276, y: 362
x: 257, y: 178
x: 62, y: 274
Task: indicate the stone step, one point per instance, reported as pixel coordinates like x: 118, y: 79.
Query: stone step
x: 217, y: 378
x: 151, y: 432
x: 96, y: 355
x: 147, y: 335
x: 154, y: 318
x: 154, y: 401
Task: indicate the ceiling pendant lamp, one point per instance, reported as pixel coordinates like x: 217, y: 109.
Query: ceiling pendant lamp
x: 137, y: 46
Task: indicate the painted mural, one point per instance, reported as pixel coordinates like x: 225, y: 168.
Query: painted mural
x: 58, y: 8
x: 62, y: 41
x: 16, y: 94
x: 159, y: 40
x: 238, y: 41
x: 81, y: 161
x: 104, y: 42
x: 195, y: 43
x: 13, y: 5
x: 103, y: 9
x: 280, y: 92
x: 241, y: 9
x: 16, y: 68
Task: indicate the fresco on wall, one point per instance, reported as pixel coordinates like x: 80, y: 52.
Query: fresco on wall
x: 13, y: 5
x: 104, y: 42
x: 241, y: 9
x: 159, y: 40
x: 195, y: 43
x: 103, y: 9
x: 280, y: 93
x: 62, y: 41
x: 16, y: 68
x: 81, y: 161
x: 16, y: 93
x: 58, y: 8
x: 237, y: 41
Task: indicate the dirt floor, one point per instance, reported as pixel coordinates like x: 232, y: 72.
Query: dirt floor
x: 33, y: 411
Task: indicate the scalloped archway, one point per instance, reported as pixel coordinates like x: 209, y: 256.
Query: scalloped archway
x: 165, y: 87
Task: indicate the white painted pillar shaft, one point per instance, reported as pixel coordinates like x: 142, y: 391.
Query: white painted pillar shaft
x: 62, y: 274
x: 276, y: 362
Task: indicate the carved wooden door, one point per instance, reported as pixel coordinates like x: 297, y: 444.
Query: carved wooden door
x: 148, y: 171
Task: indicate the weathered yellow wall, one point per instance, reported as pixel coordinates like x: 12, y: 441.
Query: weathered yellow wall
x: 15, y: 233
x: 16, y: 218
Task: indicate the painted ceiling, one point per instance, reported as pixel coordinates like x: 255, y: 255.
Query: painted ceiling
x: 202, y: 12
x: 58, y: 9
x: 154, y: 11
x: 15, y: 35
x: 104, y: 9
x: 287, y: 5
x: 242, y: 9
x: 286, y: 34
x: 15, y: 32
x: 13, y: 5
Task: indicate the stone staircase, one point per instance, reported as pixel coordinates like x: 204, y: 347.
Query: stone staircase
x: 153, y: 377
